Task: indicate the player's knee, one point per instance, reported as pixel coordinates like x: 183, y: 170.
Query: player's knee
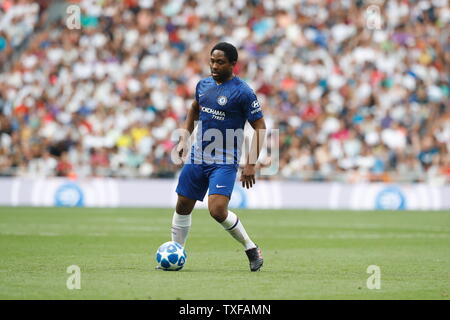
x: 184, y: 205
x: 218, y: 211
x: 219, y: 216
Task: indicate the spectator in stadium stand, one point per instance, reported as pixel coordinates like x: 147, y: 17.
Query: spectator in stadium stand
x: 351, y: 103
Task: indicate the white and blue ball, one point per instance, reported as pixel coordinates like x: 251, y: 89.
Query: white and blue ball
x: 171, y: 256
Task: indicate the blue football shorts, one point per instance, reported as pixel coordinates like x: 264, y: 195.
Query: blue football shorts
x: 196, y: 179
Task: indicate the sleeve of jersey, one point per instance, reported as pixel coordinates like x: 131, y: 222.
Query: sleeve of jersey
x: 252, y: 108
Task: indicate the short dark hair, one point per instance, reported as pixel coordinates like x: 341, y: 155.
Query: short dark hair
x: 229, y: 50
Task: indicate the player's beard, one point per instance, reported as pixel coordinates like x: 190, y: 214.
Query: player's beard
x: 221, y: 77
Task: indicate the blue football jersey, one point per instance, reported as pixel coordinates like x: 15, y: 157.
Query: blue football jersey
x: 224, y: 109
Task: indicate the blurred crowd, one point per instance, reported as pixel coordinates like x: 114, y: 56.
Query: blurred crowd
x: 355, y: 97
x: 17, y: 21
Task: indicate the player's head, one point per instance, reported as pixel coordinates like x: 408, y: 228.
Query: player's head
x: 223, y: 58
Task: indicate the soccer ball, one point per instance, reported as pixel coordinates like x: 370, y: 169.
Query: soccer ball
x: 171, y: 256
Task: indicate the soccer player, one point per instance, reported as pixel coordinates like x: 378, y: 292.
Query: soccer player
x: 223, y: 102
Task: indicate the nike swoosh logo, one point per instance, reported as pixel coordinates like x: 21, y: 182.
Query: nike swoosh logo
x: 217, y: 186
x: 201, y: 95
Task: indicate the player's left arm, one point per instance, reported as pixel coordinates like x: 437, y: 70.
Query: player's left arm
x: 249, y: 170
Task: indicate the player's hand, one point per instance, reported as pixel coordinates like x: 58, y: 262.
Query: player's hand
x: 182, y: 149
x: 248, y: 176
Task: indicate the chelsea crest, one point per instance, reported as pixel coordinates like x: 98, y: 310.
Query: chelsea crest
x: 222, y: 100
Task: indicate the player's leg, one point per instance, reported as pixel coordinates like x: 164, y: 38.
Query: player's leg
x: 221, y: 183
x: 218, y: 208
x: 192, y: 186
x: 182, y: 219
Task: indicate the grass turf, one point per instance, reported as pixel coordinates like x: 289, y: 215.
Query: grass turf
x: 308, y: 255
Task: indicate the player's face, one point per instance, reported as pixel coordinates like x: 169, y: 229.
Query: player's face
x: 221, y: 68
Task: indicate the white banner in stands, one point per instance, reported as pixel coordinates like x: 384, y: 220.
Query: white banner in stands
x: 108, y: 192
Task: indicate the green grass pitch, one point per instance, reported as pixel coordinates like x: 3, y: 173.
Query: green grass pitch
x: 308, y: 255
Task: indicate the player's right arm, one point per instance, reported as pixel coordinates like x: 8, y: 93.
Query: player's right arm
x: 192, y: 116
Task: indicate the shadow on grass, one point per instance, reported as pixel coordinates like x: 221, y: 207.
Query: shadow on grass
x: 228, y: 271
